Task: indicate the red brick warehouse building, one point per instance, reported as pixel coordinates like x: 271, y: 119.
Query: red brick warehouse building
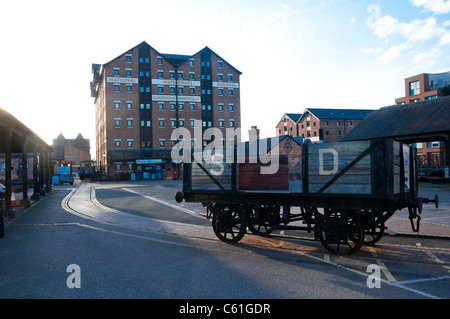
x: 315, y: 125
x: 424, y: 87
x: 143, y: 95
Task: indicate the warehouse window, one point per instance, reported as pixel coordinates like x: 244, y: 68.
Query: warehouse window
x: 414, y: 88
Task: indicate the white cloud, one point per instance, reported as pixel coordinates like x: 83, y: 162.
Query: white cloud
x: 416, y: 30
x: 435, y: 6
x: 393, y: 53
x: 421, y: 30
x: 284, y: 6
x: 445, y: 39
x: 352, y: 20
x: 385, y: 26
x: 430, y: 55
x: 415, y: 34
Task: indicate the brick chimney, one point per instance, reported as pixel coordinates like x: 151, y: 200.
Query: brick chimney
x: 253, y: 134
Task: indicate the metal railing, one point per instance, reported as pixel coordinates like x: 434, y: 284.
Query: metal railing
x: 432, y: 160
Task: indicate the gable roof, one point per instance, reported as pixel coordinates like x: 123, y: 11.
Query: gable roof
x: 174, y: 59
x: 294, y: 116
x: 412, y: 122
x: 222, y: 59
x: 79, y: 141
x: 344, y: 114
x: 267, y: 144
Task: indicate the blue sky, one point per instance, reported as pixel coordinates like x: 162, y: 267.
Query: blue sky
x: 293, y: 54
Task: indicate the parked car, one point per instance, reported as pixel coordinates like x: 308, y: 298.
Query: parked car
x: 65, y: 178
x: 60, y: 179
x: 437, y: 176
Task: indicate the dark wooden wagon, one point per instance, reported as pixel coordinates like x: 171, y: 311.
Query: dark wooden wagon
x: 344, y: 192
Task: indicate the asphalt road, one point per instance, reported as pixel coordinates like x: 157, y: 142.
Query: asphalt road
x: 117, y: 261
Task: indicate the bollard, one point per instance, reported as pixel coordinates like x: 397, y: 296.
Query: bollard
x: 13, y: 198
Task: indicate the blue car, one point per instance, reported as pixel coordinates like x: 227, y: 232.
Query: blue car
x: 65, y: 178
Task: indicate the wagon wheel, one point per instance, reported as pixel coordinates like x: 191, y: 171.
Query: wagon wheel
x: 339, y: 232
x: 266, y: 221
x: 373, y: 230
x: 373, y: 235
x: 229, y: 223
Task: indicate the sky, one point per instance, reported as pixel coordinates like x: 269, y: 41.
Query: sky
x: 293, y: 54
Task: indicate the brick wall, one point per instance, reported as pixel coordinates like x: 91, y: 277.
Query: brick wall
x: 286, y: 126
x: 167, y: 102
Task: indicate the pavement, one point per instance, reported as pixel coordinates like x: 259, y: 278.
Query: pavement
x: 82, y: 202
x: 402, y: 226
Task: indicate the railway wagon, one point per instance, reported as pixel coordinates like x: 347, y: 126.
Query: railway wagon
x: 343, y: 192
